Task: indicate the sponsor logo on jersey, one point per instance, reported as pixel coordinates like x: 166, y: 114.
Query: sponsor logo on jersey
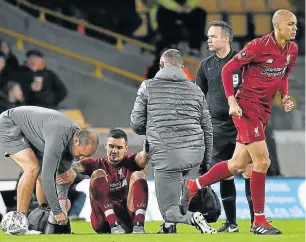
x: 277, y: 71
x: 118, y: 185
x: 269, y: 61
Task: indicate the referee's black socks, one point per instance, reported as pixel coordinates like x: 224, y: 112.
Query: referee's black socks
x: 228, y: 196
x: 249, y: 197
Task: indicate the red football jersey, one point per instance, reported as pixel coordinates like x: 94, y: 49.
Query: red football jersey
x: 118, y: 177
x: 266, y: 69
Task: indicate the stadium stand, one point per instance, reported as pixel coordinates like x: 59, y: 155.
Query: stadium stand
x: 258, y: 6
x: 239, y: 25
x: 262, y: 25
x: 232, y: 6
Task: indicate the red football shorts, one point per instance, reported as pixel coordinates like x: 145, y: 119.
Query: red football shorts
x: 251, y: 126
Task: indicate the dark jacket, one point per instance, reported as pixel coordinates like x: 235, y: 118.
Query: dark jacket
x: 172, y: 112
x: 52, y: 92
x: 12, y: 61
x: 209, y: 80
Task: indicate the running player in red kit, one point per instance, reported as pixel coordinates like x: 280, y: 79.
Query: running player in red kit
x: 118, y: 187
x: 267, y: 63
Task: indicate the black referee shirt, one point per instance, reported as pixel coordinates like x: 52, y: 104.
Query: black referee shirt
x: 209, y: 80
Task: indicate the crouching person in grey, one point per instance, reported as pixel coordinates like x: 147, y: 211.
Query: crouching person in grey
x: 172, y: 112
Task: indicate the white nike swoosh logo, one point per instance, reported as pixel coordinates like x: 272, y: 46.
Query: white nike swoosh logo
x: 232, y: 230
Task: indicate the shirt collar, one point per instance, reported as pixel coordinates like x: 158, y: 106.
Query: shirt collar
x: 273, y: 40
x: 230, y: 53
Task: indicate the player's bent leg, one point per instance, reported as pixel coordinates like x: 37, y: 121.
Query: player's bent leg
x: 260, y: 157
x: 218, y: 172
x: 97, y: 174
x: 28, y: 162
x: 241, y: 158
x: 248, y: 171
x: 98, y: 220
x: 236, y: 164
x: 99, y: 189
x: 137, y: 200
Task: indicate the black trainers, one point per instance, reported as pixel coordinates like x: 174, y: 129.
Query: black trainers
x: 266, y: 229
x: 228, y: 227
x: 58, y: 229
x: 167, y: 230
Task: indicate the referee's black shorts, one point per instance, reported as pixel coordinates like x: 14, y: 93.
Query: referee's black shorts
x: 224, y: 134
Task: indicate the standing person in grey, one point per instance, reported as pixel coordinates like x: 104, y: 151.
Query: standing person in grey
x: 39, y: 138
x: 172, y: 112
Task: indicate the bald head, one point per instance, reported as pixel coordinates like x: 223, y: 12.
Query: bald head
x: 285, y: 25
x: 87, y: 138
x: 173, y: 57
x: 281, y: 15
x: 84, y: 144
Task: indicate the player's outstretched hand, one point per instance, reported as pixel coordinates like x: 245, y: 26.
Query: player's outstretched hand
x: 288, y: 105
x: 67, y: 177
x: 61, y: 219
x: 235, y: 110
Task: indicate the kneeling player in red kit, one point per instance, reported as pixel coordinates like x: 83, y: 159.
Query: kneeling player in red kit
x: 118, y: 187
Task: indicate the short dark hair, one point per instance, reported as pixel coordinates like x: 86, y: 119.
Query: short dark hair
x: 227, y: 30
x: 117, y: 134
x: 35, y: 52
x: 173, y: 56
x: 85, y: 137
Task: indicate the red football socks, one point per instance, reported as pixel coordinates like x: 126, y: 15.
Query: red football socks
x: 217, y: 173
x: 101, y: 195
x: 258, y: 182
x: 140, y: 200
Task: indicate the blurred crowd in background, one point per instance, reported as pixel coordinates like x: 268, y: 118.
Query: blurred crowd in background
x: 177, y: 24
x: 29, y: 83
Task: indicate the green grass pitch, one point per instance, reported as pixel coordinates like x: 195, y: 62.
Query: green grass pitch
x: 293, y: 231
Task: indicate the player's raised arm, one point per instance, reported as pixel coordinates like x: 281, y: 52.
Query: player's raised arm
x: 241, y: 59
x: 142, y: 159
x: 244, y: 57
